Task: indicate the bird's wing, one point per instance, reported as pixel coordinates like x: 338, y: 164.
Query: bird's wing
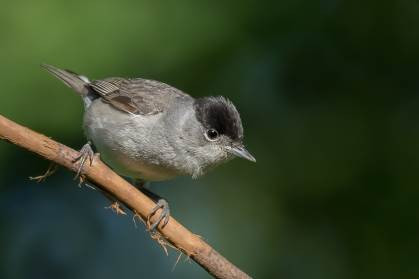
x: 136, y: 96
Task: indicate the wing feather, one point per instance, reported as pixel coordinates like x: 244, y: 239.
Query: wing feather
x: 136, y: 96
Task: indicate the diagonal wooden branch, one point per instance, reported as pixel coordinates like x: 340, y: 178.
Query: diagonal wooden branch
x: 177, y: 235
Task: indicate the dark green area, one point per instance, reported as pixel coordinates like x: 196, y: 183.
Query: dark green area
x: 328, y: 92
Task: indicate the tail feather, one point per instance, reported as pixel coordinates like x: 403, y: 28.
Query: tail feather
x: 71, y: 79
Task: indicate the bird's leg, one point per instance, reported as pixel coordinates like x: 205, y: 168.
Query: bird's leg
x: 164, y: 216
x: 161, y: 204
x: 86, y: 152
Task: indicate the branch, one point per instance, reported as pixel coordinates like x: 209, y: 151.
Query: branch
x: 176, y: 234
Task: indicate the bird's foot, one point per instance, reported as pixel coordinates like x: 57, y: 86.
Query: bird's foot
x: 164, y: 215
x: 116, y: 207
x: 86, y: 153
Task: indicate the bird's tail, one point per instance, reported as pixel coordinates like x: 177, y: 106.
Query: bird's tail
x: 77, y: 82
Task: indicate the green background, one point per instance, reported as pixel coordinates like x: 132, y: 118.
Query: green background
x: 328, y: 93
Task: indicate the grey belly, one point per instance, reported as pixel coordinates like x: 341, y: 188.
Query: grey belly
x: 127, y: 143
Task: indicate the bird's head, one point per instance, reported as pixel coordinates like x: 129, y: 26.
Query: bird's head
x: 219, y: 131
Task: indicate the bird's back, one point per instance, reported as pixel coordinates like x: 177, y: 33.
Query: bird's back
x: 137, y: 96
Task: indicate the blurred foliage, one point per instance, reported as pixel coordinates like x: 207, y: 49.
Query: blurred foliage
x: 328, y: 93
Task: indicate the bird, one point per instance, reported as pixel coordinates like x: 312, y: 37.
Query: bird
x: 149, y: 131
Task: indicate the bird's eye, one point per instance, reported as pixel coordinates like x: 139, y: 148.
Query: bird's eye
x: 212, y: 134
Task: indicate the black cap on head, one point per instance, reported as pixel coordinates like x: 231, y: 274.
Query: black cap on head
x: 220, y: 114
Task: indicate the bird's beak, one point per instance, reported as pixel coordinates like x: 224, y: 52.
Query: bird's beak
x: 241, y: 152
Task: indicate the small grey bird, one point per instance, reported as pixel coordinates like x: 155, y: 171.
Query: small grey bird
x: 150, y: 131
